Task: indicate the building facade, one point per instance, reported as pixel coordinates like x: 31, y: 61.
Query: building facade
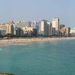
x: 2, y: 32
x: 27, y: 30
x: 61, y: 26
x: 43, y: 28
x: 8, y: 27
x: 72, y: 32
x: 35, y: 26
x: 55, y: 24
x: 19, y: 31
x: 65, y: 31
x: 21, y: 24
x: 33, y: 23
x: 49, y: 29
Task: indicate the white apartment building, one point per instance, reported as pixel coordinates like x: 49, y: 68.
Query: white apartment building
x: 72, y: 32
x: 41, y: 27
x: 21, y: 24
x: 34, y: 24
x: 45, y: 28
x: 55, y: 24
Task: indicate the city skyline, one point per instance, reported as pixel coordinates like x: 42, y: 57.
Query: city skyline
x: 38, y: 10
x: 43, y: 28
x: 35, y: 22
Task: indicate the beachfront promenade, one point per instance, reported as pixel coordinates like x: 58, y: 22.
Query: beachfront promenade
x: 29, y: 40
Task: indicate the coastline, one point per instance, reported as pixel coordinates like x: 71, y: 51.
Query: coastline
x: 30, y: 40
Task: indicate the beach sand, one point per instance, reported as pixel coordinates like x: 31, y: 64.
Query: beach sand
x: 29, y: 40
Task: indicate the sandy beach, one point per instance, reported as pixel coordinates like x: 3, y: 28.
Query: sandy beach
x: 29, y: 40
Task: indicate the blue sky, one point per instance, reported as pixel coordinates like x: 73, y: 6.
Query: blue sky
x: 37, y: 10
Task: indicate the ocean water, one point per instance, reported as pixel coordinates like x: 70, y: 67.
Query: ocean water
x: 41, y: 58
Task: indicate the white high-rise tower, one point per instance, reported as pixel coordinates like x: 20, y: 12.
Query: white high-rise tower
x: 55, y: 24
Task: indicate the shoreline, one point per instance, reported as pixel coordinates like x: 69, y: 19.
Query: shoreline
x: 31, y: 40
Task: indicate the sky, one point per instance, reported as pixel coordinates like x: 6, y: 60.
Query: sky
x: 36, y: 10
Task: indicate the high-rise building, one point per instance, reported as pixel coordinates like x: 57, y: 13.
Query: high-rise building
x: 53, y: 31
x: 8, y: 27
x: 3, y: 26
x: 35, y: 25
x: 49, y: 29
x: 72, y: 32
x: 2, y: 32
x: 60, y: 29
x: 61, y: 26
x: 55, y: 24
x: 27, y: 30
x: 33, y: 22
x: 45, y: 28
x: 19, y: 31
x: 21, y: 24
x: 65, y: 31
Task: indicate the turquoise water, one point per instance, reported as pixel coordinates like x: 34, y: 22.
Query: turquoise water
x: 42, y: 58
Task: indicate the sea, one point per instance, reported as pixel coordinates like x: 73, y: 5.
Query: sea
x: 38, y: 58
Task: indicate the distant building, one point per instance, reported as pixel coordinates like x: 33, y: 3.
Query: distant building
x: 72, y: 32
x: 27, y: 30
x: 49, y: 29
x: 19, y: 31
x: 53, y: 31
x: 2, y: 32
x: 60, y: 29
x: 55, y: 24
x: 8, y: 27
x: 65, y: 31
x: 61, y: 26
x: 21, y: 24
x: 44, y: 27
x: 10, y: 22
x: 33, y: 23
x: 34, y: 32
x: 3, y: 26
x: 35, y: 26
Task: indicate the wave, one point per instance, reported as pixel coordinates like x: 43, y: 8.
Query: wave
x: 21, y: 44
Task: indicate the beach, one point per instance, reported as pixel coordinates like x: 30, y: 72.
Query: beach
x: 30, y: 40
